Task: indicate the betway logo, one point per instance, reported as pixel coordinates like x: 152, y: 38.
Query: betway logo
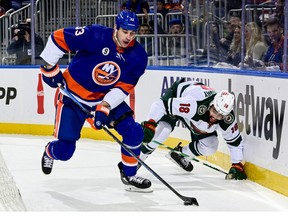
x: 267, y: 115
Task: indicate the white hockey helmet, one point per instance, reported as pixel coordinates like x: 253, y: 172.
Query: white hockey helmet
x: 223, y: 102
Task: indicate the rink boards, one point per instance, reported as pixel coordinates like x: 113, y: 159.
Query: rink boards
x: 260, y: 107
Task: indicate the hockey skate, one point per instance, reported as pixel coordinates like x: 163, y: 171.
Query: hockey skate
x: 180, y: 161
x: 47, y: 163
x: 134, y: 183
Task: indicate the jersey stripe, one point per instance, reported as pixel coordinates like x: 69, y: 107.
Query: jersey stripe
x: 125, y: 87
x: 58, y: 116
x: 129, y: 160
x: 80, y: 90
x: 60, y: 40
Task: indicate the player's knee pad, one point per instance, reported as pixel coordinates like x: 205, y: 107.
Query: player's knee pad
x: 131, y: 131
x: 62, y: 149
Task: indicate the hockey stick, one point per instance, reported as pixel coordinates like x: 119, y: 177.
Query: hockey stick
x: 187, y: 200
x: 184, y: 155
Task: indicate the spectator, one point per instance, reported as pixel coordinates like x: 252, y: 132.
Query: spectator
x: 234, y: 53
x: 176, y: 26
x: 144, y: 29
x: 273, y: 56
x: 21, y: 43
x: 145, y: 41
x: 175, y: 5
x: 255, y: 44
x: 216, y: 51
x: 280, y: 11
x: 234, y: 21
x: 162, y: 10
x: 138, y: 6
x: 175, y: 45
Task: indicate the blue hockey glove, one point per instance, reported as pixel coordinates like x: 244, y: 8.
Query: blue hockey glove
x: 52, y: 76
x: 101, y: 115
x: 236, y: 172
x: 149, y: 128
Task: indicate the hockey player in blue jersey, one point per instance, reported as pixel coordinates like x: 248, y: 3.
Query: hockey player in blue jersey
x: 107, y: 66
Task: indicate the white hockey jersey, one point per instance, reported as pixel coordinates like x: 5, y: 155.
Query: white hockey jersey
x: 190, y: 101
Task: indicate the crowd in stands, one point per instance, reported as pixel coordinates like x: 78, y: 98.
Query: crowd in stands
x: 263, y: 39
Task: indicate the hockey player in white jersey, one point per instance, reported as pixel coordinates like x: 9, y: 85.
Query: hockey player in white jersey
x: 204, y: 112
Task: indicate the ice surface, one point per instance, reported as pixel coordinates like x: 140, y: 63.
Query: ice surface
x: 90, y: 182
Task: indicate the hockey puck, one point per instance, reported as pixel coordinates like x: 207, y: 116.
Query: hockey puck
x: 187, y: 202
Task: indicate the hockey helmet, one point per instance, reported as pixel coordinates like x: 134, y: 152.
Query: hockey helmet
x: 127, y: 20
x: 223, y: 102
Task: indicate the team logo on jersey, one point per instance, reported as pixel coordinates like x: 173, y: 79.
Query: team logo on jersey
x: 105, y: 51
x: 229, y: 118
x: 106, y: 73
x: 202, y: 109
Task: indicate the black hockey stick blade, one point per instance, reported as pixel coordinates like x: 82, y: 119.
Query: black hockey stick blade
x: 190, y: 201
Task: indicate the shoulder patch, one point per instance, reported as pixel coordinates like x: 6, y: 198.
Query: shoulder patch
x: 229, y: 118
x: 202, y: 109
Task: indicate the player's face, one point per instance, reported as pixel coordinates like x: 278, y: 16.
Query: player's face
x: 125, y: 37
x: 214, y: 115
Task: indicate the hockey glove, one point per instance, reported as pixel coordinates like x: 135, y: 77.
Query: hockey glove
x: 149, y: 130
x: 236, y: 172
x: 52, y: 76
x: 101, y: 116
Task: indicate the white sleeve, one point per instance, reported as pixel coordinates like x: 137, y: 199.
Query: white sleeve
x: 232, y: 137
x: 114, y: 97
x: 51, y: 53
x: 236, y: 152
x: 157, y: 110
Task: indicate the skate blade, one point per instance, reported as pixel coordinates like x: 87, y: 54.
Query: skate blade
x: 131, y: 188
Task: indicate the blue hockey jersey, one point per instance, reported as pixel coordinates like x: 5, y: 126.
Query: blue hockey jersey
x: 99, y: 65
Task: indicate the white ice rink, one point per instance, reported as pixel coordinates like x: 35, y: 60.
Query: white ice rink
x: 90, y: 182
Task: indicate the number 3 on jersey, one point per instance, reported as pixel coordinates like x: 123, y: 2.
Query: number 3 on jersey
x: 184, y: 108
x: 79, y: 30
